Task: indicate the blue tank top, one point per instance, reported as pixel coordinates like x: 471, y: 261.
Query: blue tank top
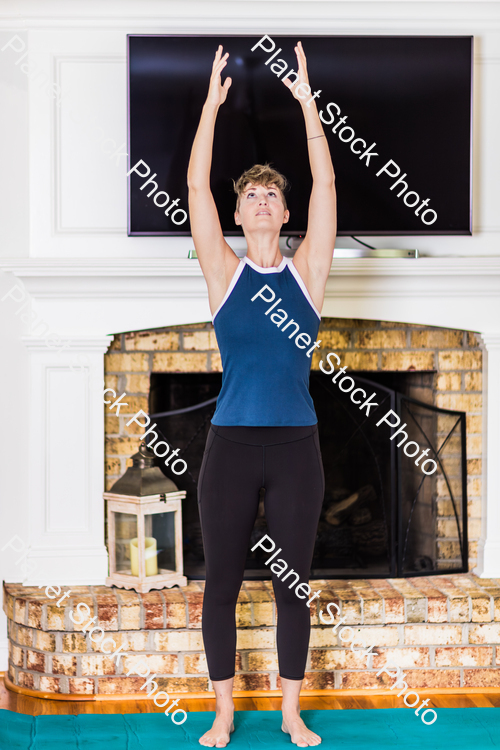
x: 265, y: 373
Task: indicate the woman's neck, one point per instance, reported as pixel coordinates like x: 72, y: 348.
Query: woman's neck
x: 262, y: 253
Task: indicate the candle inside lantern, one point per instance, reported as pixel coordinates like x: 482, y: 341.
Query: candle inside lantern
x: 150, y: 553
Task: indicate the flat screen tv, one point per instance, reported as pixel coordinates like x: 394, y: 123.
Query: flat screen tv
x: 396, y: 110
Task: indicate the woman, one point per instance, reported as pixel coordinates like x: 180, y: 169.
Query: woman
x: 264, y: 430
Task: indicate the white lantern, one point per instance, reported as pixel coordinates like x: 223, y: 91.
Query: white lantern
x: 145, y: 528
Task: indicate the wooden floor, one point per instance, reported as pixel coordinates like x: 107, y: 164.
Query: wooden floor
x: 36, y: 706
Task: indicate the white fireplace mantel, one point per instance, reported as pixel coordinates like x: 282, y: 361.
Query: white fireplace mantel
x: 133, y: 293
x: 87, y: 300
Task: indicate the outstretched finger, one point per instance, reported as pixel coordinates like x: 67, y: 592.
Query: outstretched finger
x: 217, y: 57
x: 222, y: 62
x: 217, y: 70
x: 301, y: 57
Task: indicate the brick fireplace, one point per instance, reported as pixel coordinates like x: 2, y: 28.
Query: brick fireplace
x: 444, y: 628
x: 446, y: 366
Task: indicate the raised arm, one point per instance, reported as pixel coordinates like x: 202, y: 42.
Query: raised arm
x: 313, y: 258
x: 217, y: 259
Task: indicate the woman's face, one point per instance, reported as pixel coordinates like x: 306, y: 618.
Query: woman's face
x: 261, y: 207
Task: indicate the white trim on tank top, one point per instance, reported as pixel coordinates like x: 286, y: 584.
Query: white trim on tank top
x: 269, y: 269
x: 236, y: 276
x: 272, y: 269
x: 300, y: 282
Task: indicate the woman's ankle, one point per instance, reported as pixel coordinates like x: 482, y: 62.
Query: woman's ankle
x: 290, y: 710
x: 224, y: 705
x: 225, y: 709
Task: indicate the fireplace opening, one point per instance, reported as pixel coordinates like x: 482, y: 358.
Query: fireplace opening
x: 380, y: 514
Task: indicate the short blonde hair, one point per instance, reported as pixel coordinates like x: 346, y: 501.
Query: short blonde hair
x: 261, y: 174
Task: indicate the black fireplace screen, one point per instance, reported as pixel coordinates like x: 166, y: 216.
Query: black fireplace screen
x: 382, y: 515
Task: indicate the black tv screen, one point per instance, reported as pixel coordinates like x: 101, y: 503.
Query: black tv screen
x: 396, y: 112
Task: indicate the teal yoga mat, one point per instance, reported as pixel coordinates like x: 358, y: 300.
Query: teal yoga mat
x: 456, y: 728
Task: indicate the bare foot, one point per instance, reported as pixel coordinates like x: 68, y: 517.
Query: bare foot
x: 300, y: 735
x: 218, y: 735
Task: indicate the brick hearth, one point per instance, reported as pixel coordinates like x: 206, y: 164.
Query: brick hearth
x: 443, y: 631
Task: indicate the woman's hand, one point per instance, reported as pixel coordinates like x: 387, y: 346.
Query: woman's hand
x: 217, y: 92
x: 302, y: 71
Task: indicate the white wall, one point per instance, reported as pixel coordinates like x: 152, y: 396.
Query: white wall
x: 14, y: 183
x: 62, y: 196
x: 14, y: 488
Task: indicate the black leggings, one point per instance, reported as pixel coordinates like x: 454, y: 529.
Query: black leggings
x: 237, y: 463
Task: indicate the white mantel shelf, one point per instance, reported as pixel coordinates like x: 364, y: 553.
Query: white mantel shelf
x: 449, y: 265
x: 452, y: 292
